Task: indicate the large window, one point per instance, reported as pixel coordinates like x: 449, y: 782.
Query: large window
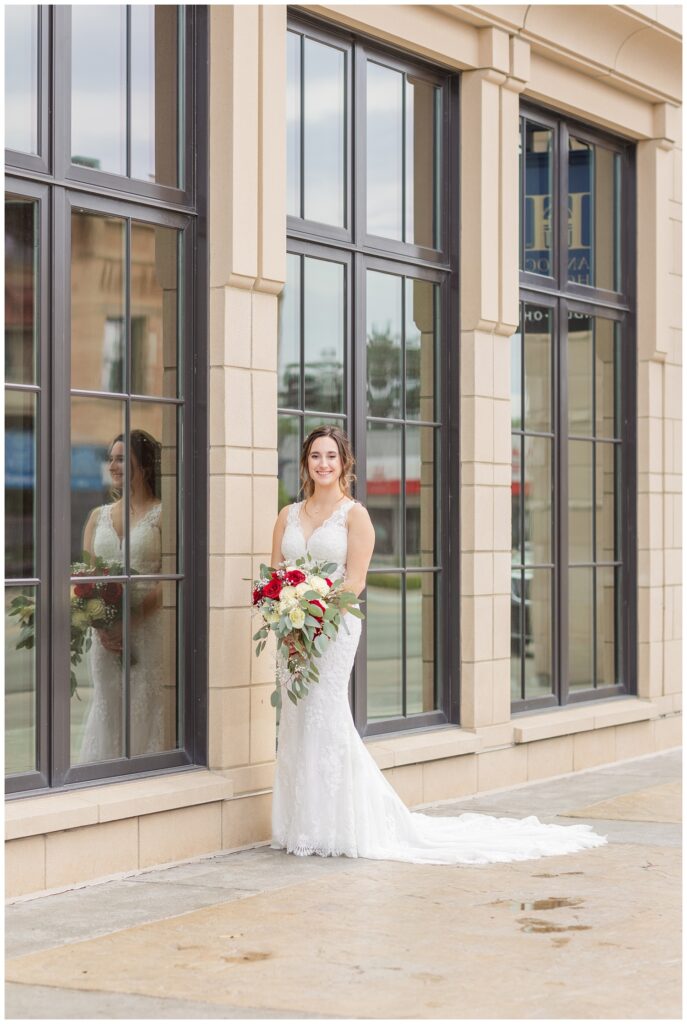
x: 364, y: 341
x: 104, y: 441
x: 572, y: 382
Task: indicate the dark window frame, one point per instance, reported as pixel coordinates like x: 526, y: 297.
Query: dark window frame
x: 363, y: 251
x: 157, y: 205
x: 563, y: 296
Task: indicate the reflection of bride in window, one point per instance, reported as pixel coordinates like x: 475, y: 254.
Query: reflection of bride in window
x: 103, y: 736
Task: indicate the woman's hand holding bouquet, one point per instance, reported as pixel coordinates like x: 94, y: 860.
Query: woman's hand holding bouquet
x: 304, y: 609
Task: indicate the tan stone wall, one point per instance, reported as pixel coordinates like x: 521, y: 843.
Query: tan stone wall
x: 247, y: 270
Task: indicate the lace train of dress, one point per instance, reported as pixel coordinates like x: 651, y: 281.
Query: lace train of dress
x: 331, y: 799
x: 103, y: 733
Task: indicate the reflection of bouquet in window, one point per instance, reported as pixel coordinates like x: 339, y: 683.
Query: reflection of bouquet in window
x: 94, y: 604
x: 301, y: 605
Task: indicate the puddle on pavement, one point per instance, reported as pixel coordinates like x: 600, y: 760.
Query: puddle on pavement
x: 550, y: 903
x: 536, y: 924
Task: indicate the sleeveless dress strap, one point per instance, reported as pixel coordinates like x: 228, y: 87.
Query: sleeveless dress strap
x: 293, y: 513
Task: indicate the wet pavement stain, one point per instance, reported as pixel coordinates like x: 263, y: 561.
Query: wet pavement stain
x: 538, y: 925
x: 550, y: 903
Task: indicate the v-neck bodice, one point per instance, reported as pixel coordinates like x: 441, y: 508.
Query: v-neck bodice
x: 328, y: 542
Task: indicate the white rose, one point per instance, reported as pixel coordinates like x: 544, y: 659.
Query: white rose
x: 288, y: 594
x: 297, y: 617
x: 271, y: 615
x: 319, y: 585
x: 302, y: 588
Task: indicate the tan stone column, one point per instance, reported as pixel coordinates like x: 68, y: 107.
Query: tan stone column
x: 489, y: 316
x: 659, y: 410
x: 247, y: 216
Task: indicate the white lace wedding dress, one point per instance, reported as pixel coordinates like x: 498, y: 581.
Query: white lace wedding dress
x: 329, y: 796
x: 103, y: 735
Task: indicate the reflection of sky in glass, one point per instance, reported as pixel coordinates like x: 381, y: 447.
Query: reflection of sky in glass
x: 323, y: 131
x: 293, y: 123
x: 323, y: 331
x: 384, y: 151
x: 384, y: 336
x: 21, y: 78
x: 289, y: 335
x: 99, y: 86
x: 516, y: 379
x: 143, y: 92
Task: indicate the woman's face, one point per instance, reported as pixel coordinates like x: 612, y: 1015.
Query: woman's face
x: 324, y: 462
x: 116, y: 467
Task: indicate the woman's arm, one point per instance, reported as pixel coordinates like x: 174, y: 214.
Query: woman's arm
x: 277, y: 535
x: 361, y: 542
x: 88, y: 531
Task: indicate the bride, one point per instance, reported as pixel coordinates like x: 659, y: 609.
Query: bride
x: 329, y: 796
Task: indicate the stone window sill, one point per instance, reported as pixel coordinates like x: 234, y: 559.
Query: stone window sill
x: 581, y: 718
x: 452, y: 740
x: 58, y: 811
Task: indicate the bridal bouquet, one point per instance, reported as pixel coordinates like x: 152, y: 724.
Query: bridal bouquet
x: 94, y: 604
x: 301, y: 605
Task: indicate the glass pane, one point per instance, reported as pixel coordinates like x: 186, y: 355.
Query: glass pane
x: 538, y: 200
x: 20, y: 484
x: 98, y: 480
x: 99, y: 87
x: 310, y: 422
x: 580, y: 524
x: 580, y: 628
x: 20, y: 679
x: 21, y: 78
x: 384, y: 344
x: 606, y: 490
x: 420, y: 334
x: 384, y: 151
x: 324, y: 325
x: 384, y: 475
x: 580, y: 373
x: 153, y: 488
x: 606, y: 627
x: 154, y: 309
x: 324, y: 133
x: 422, y: 163
x: 97, y: 301
x: 516, y: 379
x: 155, y: 93
x: 21, y: 289
x: 537, y: 500
x: 516, y: 499
x: 594, y: 215
x: 420, y: 671
x: 537, y: 630
x: 516, y: 634
x: 384, y: 646
x: 153, y: 676
x: 420, y: 496
x: 290, y: 335
x: 98, y: 646
x: 289, y: 455
x: 537, y: 367
x: 293, y: 124
x: 607, y: 374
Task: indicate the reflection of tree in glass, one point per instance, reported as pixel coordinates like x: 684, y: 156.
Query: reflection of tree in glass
x: 383, y: 373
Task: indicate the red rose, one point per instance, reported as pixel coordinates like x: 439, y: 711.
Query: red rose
x: 257, y: 595
x: 319, y: 605
x: 111, y: 593
x: 295, y: 577
x: 84, y: 590
x: 272, y: 588
x: 327, y: 581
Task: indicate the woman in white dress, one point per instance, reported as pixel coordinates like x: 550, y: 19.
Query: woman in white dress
x: 329, y: 796
x: 103, y: 736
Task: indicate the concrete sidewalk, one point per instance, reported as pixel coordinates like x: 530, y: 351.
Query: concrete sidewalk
x: 261, y: 934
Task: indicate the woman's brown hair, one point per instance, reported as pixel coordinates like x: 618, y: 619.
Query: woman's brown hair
x: 345, y: 454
